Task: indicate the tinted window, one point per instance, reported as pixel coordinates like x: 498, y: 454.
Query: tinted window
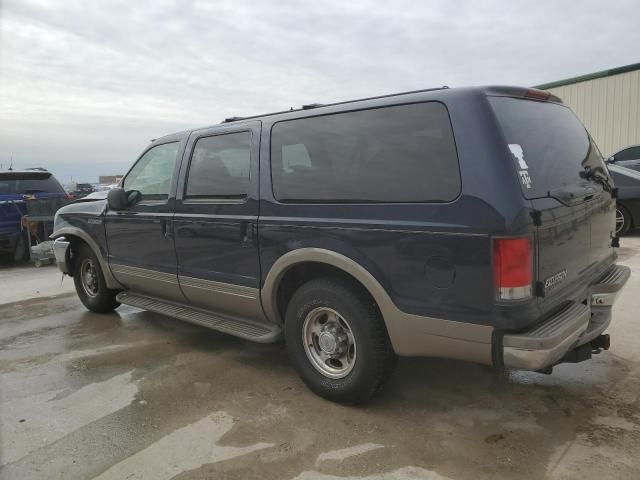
x: 220, y: 166
x: 549, y: 145
x: 632, y: 153
x: 403, y: 153
x: 30, y: 185
x: 151, y: 175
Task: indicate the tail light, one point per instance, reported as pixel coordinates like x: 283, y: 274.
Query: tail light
x: 535, y: 94
x: 513, y: 267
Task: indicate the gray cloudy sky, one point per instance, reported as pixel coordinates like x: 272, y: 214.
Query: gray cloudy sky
x: 84, y: 85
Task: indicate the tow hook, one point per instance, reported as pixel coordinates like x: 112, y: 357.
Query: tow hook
x: 601, y: 342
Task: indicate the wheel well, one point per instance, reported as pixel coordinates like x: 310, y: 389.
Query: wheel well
x: 75, y: 243
x: 301, y: 273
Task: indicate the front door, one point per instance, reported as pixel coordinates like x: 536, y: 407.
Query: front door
x: 215, y: 221
x: 140, y: 238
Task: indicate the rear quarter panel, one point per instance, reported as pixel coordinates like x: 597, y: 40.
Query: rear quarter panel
x: 433, y: 259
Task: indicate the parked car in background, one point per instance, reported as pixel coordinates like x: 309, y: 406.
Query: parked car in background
x: 17, y: 186
x: 628, y: 202
x: 82, y: 190
x: 474, y: 224
x: 627, y: 157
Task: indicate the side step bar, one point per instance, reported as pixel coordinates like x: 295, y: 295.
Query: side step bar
x: 256, y: 332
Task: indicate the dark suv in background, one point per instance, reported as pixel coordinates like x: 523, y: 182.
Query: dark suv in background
x: 17, y: 187
x: 475, y: 224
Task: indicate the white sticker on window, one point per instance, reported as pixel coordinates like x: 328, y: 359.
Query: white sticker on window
x: 525, y: 178
x: 519, y: 154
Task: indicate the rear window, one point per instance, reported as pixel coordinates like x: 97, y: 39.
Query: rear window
x: 403, y: 153
x: 549, y: 145
x: 29, y: 186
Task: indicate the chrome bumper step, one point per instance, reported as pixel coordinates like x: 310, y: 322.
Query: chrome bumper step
x: 256, y: 332
x: 577, y: 324
x: 605, y: 290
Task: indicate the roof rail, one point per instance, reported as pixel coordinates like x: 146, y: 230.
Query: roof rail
x: 232, y: 119
x: 318, y: 105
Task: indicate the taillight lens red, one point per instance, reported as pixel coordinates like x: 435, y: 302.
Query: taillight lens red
x: 513, y: 267
x: 536, y: 94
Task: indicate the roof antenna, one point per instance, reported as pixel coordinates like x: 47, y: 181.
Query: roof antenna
x: 11, y: 164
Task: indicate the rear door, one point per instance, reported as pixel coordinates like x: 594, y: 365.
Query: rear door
x: 216, y: 221
x: 562, y: 172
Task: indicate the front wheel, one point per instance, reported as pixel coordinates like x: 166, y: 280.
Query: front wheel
x: 337, y: 340
x: 90, y: 283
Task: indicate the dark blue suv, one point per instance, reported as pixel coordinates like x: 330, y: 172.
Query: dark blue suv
x: 17, y: 187
x: 475, y: 224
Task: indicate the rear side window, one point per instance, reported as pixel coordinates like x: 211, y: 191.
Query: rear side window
x: 404, y: 153
x: 220, y: 166
x: 30, y: 186
x: 549, y: 145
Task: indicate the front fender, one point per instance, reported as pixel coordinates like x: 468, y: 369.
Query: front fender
x: 64, y: 229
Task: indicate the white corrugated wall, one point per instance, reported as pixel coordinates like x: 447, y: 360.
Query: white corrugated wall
x: 609, y: 107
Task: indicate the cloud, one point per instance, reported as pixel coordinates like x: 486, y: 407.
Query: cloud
x: 89, y: 83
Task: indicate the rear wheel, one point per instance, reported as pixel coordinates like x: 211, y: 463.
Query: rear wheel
x: 337, y: 340
x: 90, y: 283
x: 21, y: 250
x: 623, y: 220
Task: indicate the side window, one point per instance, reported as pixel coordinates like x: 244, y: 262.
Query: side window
x: 401, y: 153
x: 151, y: 175
x: 632, y: 153
x: 220, y: 166
x: 295, y: 157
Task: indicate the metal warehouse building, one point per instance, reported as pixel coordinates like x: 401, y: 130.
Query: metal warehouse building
x: 607, y: 102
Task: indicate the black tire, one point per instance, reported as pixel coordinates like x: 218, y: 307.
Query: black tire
x: 21, y: 251
x: 622, y: 212
x: 374, y: 360
x: 94, y: 295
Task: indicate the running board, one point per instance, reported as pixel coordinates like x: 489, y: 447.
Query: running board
x: 256, y: 332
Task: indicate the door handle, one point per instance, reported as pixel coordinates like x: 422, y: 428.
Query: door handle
x: 247, y: 233
x: 165, y: 226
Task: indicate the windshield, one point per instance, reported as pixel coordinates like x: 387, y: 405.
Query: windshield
x: 550, y: 146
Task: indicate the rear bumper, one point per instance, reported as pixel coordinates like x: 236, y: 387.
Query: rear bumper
x: 577, y: 324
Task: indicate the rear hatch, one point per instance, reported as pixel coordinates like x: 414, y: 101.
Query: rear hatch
x: 562, y: 173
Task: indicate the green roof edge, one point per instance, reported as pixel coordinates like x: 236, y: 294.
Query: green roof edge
x: 590, y: 76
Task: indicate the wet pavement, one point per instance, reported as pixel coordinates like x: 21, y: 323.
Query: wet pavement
x: 135, y: 395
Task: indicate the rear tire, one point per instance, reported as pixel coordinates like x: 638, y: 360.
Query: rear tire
x: 338, y: 341
x: 21, y: 250
x: 90, y: 283
x: 623, y: 220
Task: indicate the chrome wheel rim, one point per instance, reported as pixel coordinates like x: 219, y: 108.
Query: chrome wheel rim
x: 89, y: 277
x: 329, y: 342
x: 619, y: 220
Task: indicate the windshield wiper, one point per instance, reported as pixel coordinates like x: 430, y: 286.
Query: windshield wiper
x: 597, y: 174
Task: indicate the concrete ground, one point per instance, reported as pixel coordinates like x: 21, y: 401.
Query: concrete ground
x: 135, y: 395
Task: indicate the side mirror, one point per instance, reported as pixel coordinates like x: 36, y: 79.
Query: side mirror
x: 117, y: 199
x: 611, y: 159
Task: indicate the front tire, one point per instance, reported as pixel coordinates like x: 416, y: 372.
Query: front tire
x: 90, y: 283
x: 338, y: 341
